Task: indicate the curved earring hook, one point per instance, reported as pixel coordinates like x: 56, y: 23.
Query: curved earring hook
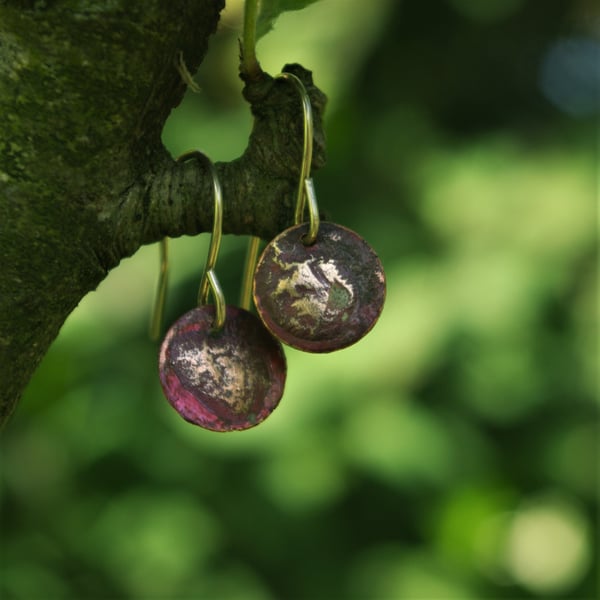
x: 161, y: 290
x: 209, y: 281
x: 305, y: 187
x: 248, y: 273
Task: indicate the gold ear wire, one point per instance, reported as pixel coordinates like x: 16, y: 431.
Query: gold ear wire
x: 209, y: 281
x: 305, y: 187
x: 306, y: 191
x: 248, y: 276
x: 161, y: 291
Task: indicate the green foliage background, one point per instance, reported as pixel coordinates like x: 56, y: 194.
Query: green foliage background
x: 452, y: 453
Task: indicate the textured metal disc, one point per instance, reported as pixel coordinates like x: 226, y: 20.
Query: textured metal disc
x: 321, y: 297
x: 227, y: 380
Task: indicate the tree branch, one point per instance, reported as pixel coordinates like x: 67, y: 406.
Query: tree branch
x: 84, y: 178
x: 259, y: 188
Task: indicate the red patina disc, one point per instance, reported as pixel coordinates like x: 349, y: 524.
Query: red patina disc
x: 323, y: 296
x: 227, y: 380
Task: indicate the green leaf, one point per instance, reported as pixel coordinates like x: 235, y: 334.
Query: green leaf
x: 270, y: 9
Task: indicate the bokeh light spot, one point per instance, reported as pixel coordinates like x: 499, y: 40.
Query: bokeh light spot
x: 548, y: 545
x: 570, y: 76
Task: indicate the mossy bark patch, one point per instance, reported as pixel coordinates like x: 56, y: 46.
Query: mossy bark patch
x: 85, y: 89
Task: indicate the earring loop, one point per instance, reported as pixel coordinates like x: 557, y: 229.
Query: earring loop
x: 248, y: 274
x: 306, y: 190
x: 161, y: 291
x: 209, y: 282
x: 305, y: 186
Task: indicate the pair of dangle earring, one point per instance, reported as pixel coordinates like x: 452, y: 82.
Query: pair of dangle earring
x: 219, y: 367
x: 318, y: 286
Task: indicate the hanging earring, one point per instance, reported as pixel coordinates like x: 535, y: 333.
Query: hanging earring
x: 219, y: 367
x: 318, y: 287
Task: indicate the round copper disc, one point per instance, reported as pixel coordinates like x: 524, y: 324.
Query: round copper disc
x: 227, y: 380
x: 321, y: 297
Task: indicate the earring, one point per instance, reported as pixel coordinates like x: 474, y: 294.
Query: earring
x: 318, y: 287
x: 218, y: 365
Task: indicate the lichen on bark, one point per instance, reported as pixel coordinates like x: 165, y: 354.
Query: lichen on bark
x: 85, y: 89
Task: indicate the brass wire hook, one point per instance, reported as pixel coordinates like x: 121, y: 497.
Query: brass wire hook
x: 248, y: 276
x: 209, y: 282
x: 161, y: 291
x: 305, y: 187
x: 306, y: 191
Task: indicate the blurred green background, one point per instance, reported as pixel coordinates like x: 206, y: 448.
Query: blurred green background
x: 452, y: 453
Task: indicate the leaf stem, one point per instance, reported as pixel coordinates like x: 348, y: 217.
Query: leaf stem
x: 249, y: 64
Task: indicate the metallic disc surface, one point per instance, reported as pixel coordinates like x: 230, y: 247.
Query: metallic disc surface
x: 224, y: 381
x: 321, y: 297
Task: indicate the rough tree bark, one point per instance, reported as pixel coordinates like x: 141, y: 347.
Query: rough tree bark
x: 85, y: 89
